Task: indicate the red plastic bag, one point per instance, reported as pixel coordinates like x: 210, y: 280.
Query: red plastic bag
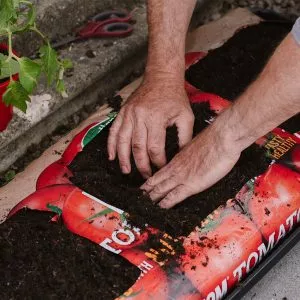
x: 6, y: 112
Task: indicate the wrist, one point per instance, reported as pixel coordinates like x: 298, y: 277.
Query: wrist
x: 232, y: 133
x: 161, y: 75
x: 164, y: 67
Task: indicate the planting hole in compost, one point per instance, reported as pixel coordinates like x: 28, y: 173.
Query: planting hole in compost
x: 39, y: 259
x: 241, y: 58
x: 95, y: 174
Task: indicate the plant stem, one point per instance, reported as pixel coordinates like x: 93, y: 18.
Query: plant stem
x: 26, y: 2
x: 10, y: 53
x: 9, y: 35
x: 15, y: 57
x: 33, y: 28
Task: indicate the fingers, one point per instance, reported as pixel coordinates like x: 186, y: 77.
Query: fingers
x: 176, y: 196
x: 185, y: 125
x: 124, y: 145
x: 156, y: 145
x: 166, y: 187
x: 124, y: 133
x: 162, y: 189
x: 156, y: 179
x: 139, y: 149
x: 113, y: 136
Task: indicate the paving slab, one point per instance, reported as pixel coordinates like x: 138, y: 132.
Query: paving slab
x: 58, y: 18
x: 282, y: 282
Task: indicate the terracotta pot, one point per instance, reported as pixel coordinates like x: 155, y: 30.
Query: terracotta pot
x: 6, y: 112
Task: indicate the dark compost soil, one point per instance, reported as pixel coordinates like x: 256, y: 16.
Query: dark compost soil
x: 43, y: 260
x: 227, y: 71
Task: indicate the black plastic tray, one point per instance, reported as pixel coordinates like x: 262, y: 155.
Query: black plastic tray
x: 266, y: 265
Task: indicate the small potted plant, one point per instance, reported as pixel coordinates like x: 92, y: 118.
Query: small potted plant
x: 19, y: 75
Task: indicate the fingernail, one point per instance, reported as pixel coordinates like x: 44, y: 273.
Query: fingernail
x: 125, y: 170
x: 144, y: 186
x: 162, y: 205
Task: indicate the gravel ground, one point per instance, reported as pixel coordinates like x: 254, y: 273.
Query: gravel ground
x: 289, y: 8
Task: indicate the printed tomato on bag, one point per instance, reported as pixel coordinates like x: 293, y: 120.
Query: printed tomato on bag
x: 214, y: 253
x: 273, y: 200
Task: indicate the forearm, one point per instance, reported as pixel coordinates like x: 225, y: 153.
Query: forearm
x: 168, y: 22
x: 272, y: 99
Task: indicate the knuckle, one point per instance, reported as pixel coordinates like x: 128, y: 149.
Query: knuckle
x: 137, y: 147
x: 113, y: 130
x: 154, y: 151
x: 143, y: 170
x: 122, y: 160
x: 122, y: 138
x: 150, y: 181
x: 142, y: 165
x: 175, y: 176
x: 189, y: 116
x: 158, y: 189
x: 139, y: 110
x: 174, y: 193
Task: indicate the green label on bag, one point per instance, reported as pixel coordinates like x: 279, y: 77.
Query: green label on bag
x: 95, y: 130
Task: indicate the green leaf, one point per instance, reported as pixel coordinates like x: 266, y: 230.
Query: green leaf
x: 16, y: 3
x: 67, y: 64
x: 54, y: 208
x: 16, y: 95
x: 49, y: 62
x: 123, y: 217
x: 131, y: 295
x: 8, y: 68
x: 31, y: 16
x: 27, y: 20
x: 60, y: 87
x: 29, y: 73
x: 7, y: 12
x: 99, y: 214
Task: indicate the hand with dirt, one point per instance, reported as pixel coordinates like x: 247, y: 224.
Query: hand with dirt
x: 270, y: 100
x: 203, y: 162
x: 141, y: 125
x: 161, y: 101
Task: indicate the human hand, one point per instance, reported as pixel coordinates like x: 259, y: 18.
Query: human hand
x: 203, y: 162
x: 141, y: 124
